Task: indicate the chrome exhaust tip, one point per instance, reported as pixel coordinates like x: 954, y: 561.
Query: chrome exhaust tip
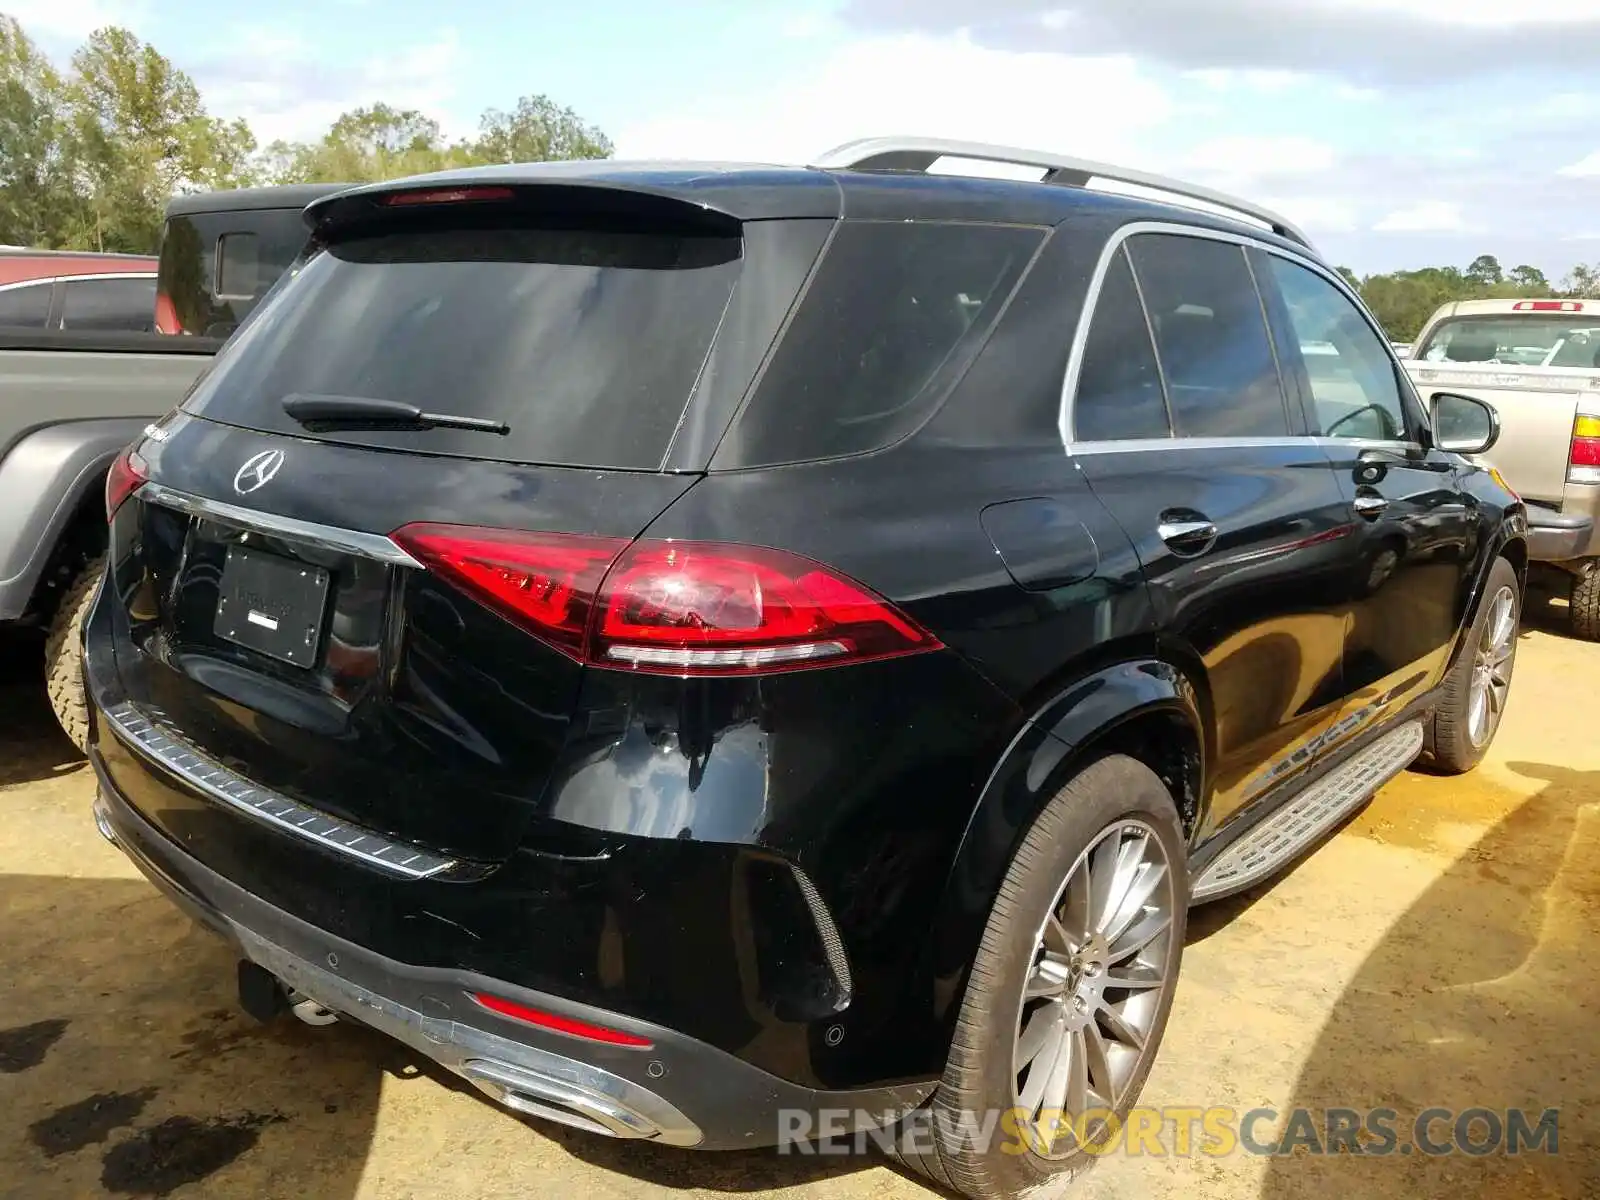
x: 566, y: 1103
x: 102, y: 819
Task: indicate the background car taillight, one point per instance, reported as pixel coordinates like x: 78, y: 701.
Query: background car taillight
x: 167, y: 321
x: 1583, y: 460
x: 127, y: 472
x: 669, y: 608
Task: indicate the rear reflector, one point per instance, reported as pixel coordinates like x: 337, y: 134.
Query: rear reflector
x: 1547, y: 306
x: 459, y: 195
x: 669, y: 608
x: 127, y: 472
x: 582, y: 1029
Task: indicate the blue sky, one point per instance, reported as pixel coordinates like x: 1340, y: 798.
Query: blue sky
x: 1398, y: 132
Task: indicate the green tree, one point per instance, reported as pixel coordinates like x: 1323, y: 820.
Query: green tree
x: 141, y: 134
x: 1530, y: 279
x: 366, y: 145
x: 382, y: 142
x: 1485, y: 270
x: 539, y: 130
x: 1582, y: 282
x: 38, y: 204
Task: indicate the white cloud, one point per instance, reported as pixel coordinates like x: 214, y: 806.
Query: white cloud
x: 74, y: 20
x: 1584, y: 168
x: 1316, y: 214
x: 1250, y: 79
x: 285, y: 90
x: 1429, y: 216
x: 1404, y: 43
x: 1254, y: 157
x: 915, y: 84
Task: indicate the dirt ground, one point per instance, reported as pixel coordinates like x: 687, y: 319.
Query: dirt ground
x: 1438, y: 952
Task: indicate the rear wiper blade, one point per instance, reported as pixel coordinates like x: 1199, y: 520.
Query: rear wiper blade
x: 322, y: 413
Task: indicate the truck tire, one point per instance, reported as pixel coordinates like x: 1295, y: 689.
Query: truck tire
x: 1477, y: 686
x: 63, y: 655
x: 1114, y: 824
x: 1585, y: 605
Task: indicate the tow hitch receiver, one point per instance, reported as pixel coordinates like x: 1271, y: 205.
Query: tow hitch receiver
x: 260, y: 993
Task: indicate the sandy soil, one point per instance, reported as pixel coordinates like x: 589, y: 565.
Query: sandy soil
x: 1437, y: 952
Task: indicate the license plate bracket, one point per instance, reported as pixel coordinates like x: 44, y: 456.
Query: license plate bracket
x: 272, y: 605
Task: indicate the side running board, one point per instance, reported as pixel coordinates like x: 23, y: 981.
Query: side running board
x: 1282, y: 837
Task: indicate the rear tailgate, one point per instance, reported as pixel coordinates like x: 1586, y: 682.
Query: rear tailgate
x: 1536, y: 405
x: 277, y: 641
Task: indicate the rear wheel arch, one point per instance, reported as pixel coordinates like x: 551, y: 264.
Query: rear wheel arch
x: 1147, y: 708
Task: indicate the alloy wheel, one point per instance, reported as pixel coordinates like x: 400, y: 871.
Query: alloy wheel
x: 1095, y: 987
x: 1493, y: 659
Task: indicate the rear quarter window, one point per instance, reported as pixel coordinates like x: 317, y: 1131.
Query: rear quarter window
x: 895, y: 311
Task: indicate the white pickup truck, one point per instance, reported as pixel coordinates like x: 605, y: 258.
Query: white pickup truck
x: 1538, y: 363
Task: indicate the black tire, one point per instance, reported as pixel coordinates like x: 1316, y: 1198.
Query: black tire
x: 1450, y: 746
x: 979, y: 1076
x: 1585, y: 605
x: 63, y: 655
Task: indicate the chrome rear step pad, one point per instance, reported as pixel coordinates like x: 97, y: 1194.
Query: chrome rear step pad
x: 1283, y: 836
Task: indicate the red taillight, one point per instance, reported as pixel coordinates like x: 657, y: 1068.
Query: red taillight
x: 1583, y: 458
x: 533, y: 1016
x: 544, y: 581
x: 457, y: 195
x: 122, y: 480
x: 1547, y: 306
x: 669, y: 608
x: 694, y: 608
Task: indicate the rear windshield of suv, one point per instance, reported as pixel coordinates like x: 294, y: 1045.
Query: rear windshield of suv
x: 586, y: 342
x: 1571, y: 340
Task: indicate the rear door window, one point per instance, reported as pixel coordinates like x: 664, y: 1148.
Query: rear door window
x: 1211, y: 335
x: 25, y: 306
x: 102, y: 305
x: 894, y: 312
x: 586, y: 342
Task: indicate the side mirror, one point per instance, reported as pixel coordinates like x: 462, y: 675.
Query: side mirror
x: 1464, y: 424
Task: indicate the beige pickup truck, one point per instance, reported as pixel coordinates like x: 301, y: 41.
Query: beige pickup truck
x: 1538, y: 363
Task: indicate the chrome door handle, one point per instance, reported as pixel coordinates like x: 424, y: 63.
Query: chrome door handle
x: 1187, y: 537
x: 1370, y: 506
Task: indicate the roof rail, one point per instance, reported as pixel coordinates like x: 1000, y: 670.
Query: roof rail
x: 920, y: 153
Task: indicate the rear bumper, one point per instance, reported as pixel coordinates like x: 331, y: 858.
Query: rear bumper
x: 1556, y: 537
x: 676, y: 1091
x: 1572, y: 533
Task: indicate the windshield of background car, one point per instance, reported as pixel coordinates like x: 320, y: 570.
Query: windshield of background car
x: 1543, y: 340
x: 587, y: 342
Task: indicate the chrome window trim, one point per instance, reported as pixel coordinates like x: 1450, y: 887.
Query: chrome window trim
x: 1091, y: 300
x: 326, y: 537
x: 52, y: 280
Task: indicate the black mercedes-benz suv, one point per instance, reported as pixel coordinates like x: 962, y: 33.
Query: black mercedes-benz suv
x: 718, y: 654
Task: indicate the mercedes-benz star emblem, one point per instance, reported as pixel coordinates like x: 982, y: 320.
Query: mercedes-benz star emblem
x: 257, y: 471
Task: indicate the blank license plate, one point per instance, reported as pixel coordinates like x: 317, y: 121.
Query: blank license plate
x: 272, y: 605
